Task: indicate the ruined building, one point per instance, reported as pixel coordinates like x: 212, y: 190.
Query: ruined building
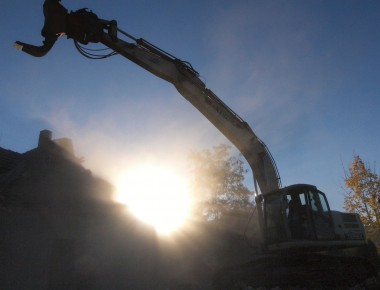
x: 59, y: 228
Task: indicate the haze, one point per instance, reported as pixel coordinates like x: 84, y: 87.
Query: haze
x: 303, y: 74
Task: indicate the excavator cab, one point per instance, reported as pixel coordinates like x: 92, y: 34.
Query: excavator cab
x: 299, y: 216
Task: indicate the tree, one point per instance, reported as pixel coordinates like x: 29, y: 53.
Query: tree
x: 363, y: 195
x: 218, y: 182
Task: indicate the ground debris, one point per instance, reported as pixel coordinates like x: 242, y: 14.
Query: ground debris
x: 372, y: 283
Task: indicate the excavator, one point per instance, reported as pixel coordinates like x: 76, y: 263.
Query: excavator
x: 300, y: 235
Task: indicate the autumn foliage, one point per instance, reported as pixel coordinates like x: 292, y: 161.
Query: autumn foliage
x: 218, y: 184
x: 363, y: 195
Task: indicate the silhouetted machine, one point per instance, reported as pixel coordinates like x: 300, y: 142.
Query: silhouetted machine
x: 293, y: 219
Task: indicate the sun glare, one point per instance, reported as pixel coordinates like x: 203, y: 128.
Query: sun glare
x: 156, y: 195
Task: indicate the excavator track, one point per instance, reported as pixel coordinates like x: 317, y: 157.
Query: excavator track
x: 312, y: 271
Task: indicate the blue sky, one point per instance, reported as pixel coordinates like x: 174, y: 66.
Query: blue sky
x: 304, y: 74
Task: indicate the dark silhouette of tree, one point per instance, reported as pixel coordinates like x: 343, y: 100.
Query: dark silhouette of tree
x: 363, y: 195
x: 218, y: 184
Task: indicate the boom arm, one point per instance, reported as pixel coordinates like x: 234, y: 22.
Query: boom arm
x: 84, y: 27
x: 188, y: 84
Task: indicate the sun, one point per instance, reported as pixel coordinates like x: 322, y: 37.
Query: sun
x: 156, y: 195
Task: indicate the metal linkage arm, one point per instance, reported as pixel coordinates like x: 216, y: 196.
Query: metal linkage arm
x: 84, y: 27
